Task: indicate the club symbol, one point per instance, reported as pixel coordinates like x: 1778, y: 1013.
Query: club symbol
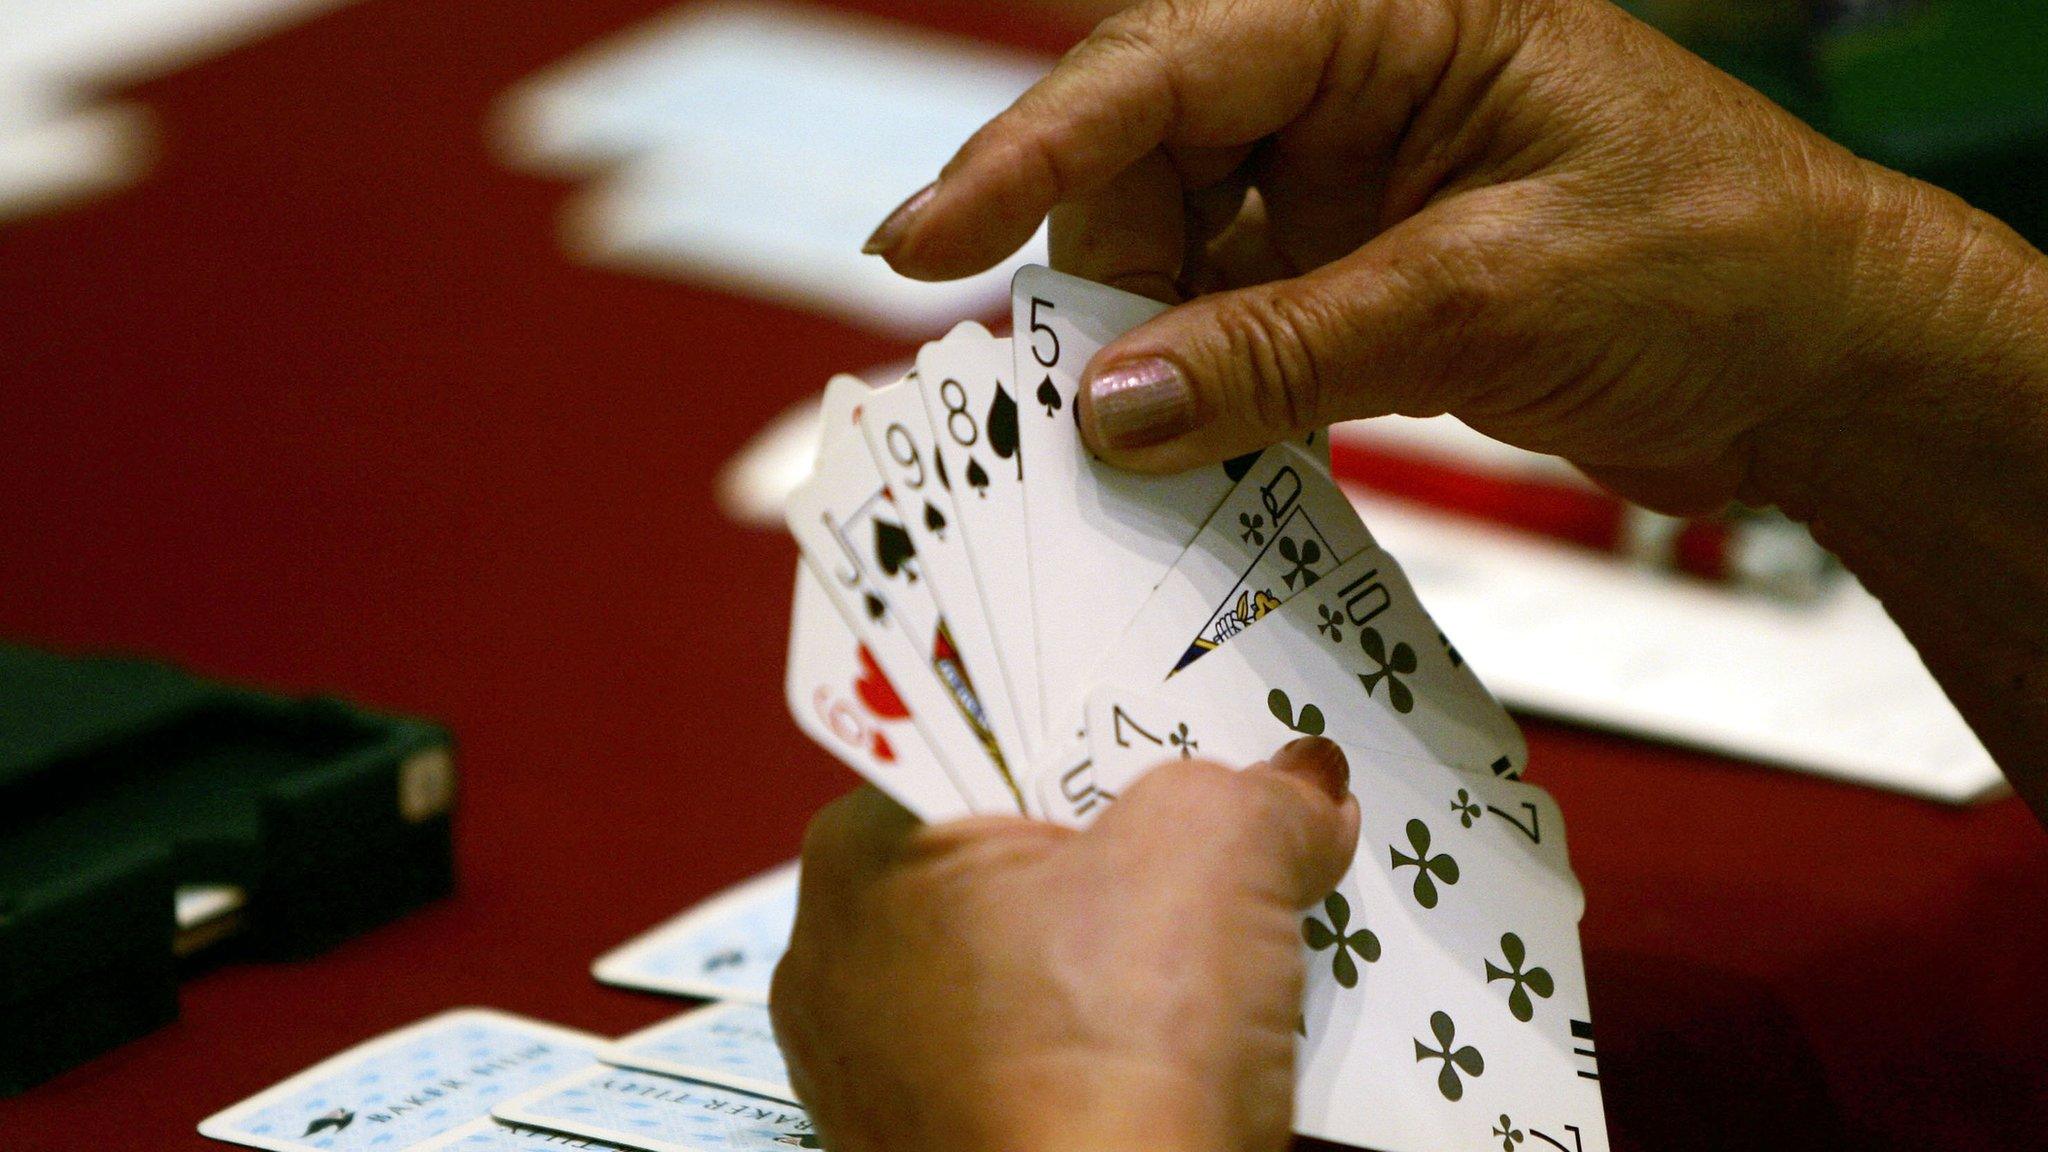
x: 1508, y: 1133
x: 1253, y: 526
x: 1450, y: 650
x: 1428, y: 869
x: 1466, y: 1058
x: 1466, y: 808
x: 1179, y: 739
x: 1049, y: 396
x: 333, y: 1121
x: 1332, y: 625
x: 1401, y: 662
x: 1319, y: 936
x: 1309, y: 723
x: 1521, y: 981
x: 1302, y: 556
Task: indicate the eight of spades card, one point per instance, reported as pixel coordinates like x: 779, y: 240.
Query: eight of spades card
x: 899, y: 436
x: 971, y: 402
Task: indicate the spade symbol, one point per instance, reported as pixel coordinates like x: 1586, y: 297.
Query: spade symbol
x: 934, y: 520
x: 893, y: 550
x: 939, y: 462
x: 1049, y: 396
x: 1002, y: 426
x: 1237, y: 466
x: 977, y: 477
x: 875, y: 606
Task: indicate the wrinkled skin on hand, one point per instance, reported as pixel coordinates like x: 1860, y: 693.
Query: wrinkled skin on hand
x: 1001, y: 983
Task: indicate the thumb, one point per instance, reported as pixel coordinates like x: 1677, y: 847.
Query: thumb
x: 1405, y: 324
x: 1284, y: 830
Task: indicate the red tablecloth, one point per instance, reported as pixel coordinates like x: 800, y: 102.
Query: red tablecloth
x: 322, y: 405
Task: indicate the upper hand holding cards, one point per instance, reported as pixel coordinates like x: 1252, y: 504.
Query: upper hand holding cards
x: 1052, y: 628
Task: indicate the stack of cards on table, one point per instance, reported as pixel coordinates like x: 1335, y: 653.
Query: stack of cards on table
x: 988, y: 620
x: 483, y: 1081
x: 477, y: 1080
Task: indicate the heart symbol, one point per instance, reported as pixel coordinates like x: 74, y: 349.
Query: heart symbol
x: 875, y: 691
x: 879, y: 745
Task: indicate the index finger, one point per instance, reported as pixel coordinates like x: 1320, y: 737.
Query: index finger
x: 1202, y: 75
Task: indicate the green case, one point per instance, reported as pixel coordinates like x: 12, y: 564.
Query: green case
x: 123, y: 781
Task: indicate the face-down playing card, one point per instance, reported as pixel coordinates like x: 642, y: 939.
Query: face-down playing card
x: 847, y: 526
x: 408, y: 1086
x: 729, y: 1044
x: 661, y: 1113
x: 492, y: 1135
x: 723, y: 949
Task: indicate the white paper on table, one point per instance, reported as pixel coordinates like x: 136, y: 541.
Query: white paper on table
x: 58, y: 139
x: 753, y: 147
x: 1829, y: 687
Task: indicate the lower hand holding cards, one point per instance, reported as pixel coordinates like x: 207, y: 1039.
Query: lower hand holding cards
x: 1003, y: 981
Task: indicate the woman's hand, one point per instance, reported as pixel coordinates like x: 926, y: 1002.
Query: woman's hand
x: 1540, y: 215
x: 1543, y: 217
x: 1001, y: 984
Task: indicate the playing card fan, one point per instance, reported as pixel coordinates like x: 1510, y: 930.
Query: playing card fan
x: 988, y: 620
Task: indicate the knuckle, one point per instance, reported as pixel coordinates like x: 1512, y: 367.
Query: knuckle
x: 1270, y: 367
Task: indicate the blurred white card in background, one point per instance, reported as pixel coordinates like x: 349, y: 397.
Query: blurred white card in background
x: 56, y: 143
x: 1825, y: 684
x: 753, y: 147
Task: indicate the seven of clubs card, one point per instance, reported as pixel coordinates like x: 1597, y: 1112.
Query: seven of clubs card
x: 1053, y: 628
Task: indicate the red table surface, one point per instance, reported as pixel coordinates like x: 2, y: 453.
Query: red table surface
x: 321, y: 405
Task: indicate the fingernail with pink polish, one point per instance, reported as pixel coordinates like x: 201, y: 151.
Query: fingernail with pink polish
x: 1140, y: 403
x: 892, y: 229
